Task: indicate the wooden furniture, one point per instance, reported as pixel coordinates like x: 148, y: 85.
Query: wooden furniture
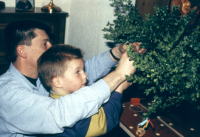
x: 56, y: 20
x: 168, y: 125
x: 147, y: 6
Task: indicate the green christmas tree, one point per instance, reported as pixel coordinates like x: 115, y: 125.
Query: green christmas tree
x: 170, y: 67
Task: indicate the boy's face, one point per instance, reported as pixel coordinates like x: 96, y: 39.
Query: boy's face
x: 74, y: 77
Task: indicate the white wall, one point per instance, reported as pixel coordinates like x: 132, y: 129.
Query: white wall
x: 84, y: 25
x: 87, y: 19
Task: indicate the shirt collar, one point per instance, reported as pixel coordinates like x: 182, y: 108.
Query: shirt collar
x: 55, y: 95
x: 22, y: 79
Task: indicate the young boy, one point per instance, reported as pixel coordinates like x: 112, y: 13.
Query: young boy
x: 61, y: 69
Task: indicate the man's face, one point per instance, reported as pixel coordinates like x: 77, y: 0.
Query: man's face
x: 74, y: 77
x: 38, y: 46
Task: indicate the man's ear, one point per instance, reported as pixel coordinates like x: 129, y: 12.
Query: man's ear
x: 57, y: 82
x: 21, y: 51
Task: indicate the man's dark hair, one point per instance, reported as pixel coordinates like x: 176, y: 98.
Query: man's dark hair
x: 21, y: 32
x: 54, y: 62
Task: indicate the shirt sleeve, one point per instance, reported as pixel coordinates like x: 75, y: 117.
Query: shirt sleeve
x: 107, y: 118
x: 102, y: 122
x: 99, y: 124
x: 26, y: 112
x: 98, y: 66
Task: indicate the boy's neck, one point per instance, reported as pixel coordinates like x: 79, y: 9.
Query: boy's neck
x: 60, y: 91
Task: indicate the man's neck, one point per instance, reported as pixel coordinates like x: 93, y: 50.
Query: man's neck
x: 26, y: 69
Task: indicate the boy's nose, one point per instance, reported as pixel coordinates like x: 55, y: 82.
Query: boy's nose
x: 85, y: 75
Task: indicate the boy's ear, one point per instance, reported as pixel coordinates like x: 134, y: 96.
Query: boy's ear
x: 57, y: 82
x: 21, y: 51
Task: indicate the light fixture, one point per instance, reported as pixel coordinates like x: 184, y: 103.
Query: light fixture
x: 51, y: 8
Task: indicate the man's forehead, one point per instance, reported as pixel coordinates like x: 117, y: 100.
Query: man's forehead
x: 37, y: 30
x: 40, y: 33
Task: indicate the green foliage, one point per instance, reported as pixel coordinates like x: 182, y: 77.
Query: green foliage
x: 171, y: 64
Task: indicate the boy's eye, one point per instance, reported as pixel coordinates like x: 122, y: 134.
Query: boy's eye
x: 77, y: 71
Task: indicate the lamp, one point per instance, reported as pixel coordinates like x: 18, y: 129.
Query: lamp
x: 51, y: 8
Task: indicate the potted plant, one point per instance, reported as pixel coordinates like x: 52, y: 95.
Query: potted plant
x: 170, y: 68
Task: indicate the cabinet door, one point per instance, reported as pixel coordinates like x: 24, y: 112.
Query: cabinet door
x: 146, y: 6
x: 4, y: 64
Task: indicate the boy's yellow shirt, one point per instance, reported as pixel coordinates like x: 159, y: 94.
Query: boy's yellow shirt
x: 98, y: 125
x: 55, y: 95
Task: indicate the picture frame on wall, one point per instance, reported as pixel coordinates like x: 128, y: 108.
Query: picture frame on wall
x: 25, y: 5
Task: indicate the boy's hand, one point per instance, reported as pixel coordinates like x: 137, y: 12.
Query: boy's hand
x: 116, y: 77
x: 123, y: 86
x: 125, y: 66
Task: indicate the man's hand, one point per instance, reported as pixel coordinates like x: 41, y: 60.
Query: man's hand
x: 120, y: 49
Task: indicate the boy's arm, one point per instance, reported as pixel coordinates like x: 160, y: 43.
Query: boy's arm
x: 98, y: 124
x: 107, y: 118
x: 102, y: 122
x: 111, y: 109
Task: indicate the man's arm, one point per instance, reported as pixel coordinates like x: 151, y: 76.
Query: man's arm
x: 23, y: 111
x: 115, y: 78
x: 20, y: 103
x: 100, y: 65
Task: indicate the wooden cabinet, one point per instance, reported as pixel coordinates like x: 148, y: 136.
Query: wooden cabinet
x: 55, y: 20
x: 147, y: 6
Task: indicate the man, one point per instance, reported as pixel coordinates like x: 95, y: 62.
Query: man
x: 25, y: 105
